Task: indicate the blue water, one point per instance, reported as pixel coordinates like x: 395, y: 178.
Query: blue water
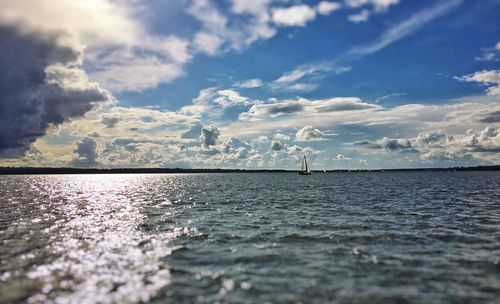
x: 385, y: 237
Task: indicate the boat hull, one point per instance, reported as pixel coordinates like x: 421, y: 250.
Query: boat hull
x: 304, y: 173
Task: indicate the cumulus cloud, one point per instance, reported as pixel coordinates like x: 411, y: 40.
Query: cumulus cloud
x: 86, y: 151
x: 362, y: 16
x: 489, y: 78
x: 378, y: 5
x: 431, y: 139
x: 40, y: 86
x: 300, y: 14
x: 327, y: 7
x: 304, y: 106
x: 209, y: 136
x: 483, y: 145
x: 297, y: 15
x: 212, y: 103
x: 309, y: 133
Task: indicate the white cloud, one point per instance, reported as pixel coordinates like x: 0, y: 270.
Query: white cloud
x: 213, y: 102
x: 490, y: 54
x: 207, y: 43
x: 433, y: 146
x: 342, y: 157
x: 362, y: 16
x: 309, y: 133
x: 297, y: 15
x: 229, y: 98
x: 378, y: 5
x: 305, y: 107
x: 327, y: 7
x: 249, y: 83
x: 253, y: 25
x: 403, y: 29
x: 309, y: 72
x: 489, y: 78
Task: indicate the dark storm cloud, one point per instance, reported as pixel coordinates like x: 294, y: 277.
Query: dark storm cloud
x: 31, y: 99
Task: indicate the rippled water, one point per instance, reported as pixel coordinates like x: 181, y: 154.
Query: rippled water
x: 390, y: 237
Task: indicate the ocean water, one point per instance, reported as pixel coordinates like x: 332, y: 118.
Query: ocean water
x: 386, y: 237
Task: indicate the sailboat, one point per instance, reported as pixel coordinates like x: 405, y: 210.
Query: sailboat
x: 304, y: 169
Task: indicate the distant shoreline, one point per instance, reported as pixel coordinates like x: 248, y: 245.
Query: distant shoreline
x: 43, y: 170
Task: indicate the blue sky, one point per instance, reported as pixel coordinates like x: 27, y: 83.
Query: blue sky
x: 250, y: 84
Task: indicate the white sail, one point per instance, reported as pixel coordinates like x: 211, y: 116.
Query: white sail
x: 304, y: 166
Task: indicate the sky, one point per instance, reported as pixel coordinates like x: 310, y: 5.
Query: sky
x: 352, y: 84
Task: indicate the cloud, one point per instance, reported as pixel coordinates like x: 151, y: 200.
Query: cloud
x: 40, y: 86
x: 297, y: 15
x: 310, y: 72
x: 193, y: 132
x: 431, y: 139
x: 485, y: 77
x: 207, y: 43
x: 110, y: 122
x: 388, y: 96
x: 209, y: 136
x: 483, y: 145
x: 378, y: 5
x: 230, y: 98
x: 342, y: 157
x: 221, y: 34
x: 402, y: 29
x: 300, y: 14
x: 362, y: 16
x: 86, y: 151
x: 326, y: 7
x: 309, y: 133
x: 304, y: 106
x: 490, y: 53
x: 387, y: 144
x: 276, y: 145
x: 212, y: 103
x: 120, y: 53
x: 249, y: 83
x: 492, y: 117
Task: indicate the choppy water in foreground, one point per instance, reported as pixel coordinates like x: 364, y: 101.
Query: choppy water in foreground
x: 424, y: 237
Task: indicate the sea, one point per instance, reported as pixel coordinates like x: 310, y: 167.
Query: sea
x: 359, y: 237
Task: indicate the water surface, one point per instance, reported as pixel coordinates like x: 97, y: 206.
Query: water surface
x: 386, y: 237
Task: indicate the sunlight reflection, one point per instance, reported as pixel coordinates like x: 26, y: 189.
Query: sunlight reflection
x: 101, y: 254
